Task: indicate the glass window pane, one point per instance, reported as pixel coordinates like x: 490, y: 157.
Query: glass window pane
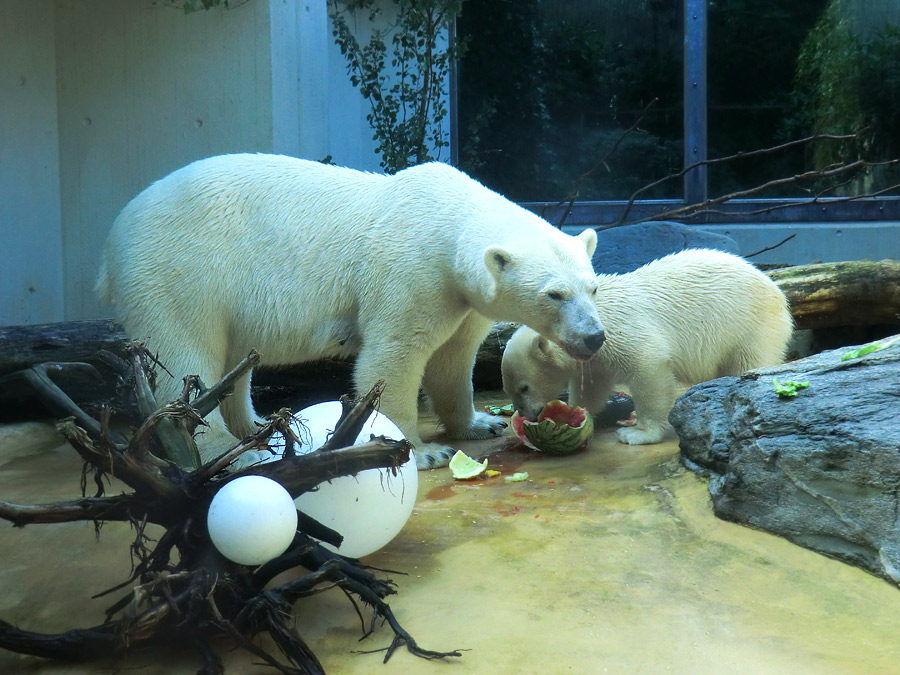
x: 780, y: 71
x: 547, y: 89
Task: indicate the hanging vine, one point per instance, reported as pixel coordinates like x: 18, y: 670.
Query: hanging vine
x: 402, y: 71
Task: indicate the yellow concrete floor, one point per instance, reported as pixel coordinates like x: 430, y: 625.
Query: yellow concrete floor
x: 606, y: 561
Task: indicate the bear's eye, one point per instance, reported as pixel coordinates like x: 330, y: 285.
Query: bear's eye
x: 556, y: 296
x: 523, y: 389
x: 594, y: 292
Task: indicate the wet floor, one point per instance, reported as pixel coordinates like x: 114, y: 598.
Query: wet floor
x: 606, y: 561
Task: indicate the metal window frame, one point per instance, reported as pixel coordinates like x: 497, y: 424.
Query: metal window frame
x: 738, y: 211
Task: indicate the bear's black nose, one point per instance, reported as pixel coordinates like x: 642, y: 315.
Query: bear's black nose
x: 595, y: 341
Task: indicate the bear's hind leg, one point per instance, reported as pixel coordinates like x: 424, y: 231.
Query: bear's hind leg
x: 241, y: 420
x: 653, y: 391
x: 448, y: 382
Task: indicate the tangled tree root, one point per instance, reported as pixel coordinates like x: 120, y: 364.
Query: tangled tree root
x: 181, y: 588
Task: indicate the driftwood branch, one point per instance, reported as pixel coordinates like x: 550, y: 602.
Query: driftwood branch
x: 198, y: 594
x: 210, y: 398
x: 37, y: 379
x: 88, y: 508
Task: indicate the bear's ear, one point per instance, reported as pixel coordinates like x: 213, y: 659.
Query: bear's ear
x: 589, y: 237
x: 541, y: 346
x: 497, y: 259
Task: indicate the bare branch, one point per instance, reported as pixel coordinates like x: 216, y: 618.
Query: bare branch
x: 771, y: 248
x: 211, y: 397
x: 693, y: 210
x: 175, y: 441
x: 573, y: 195
x: 118, y: 508
x: 721, y: 160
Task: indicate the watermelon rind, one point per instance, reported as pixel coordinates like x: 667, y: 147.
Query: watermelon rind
x: 552, y: 438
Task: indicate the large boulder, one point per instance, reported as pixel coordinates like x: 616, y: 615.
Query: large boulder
x: 624, y: 249
x: 821, y: 468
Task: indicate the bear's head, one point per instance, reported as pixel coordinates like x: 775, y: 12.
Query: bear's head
x: 550, y: 286
x: 535, y: 371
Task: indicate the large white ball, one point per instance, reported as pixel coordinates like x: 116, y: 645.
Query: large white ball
x: 368, y: 509
x: 252, y: 519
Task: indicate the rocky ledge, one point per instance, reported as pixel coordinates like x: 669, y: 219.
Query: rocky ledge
x: 820, y: 468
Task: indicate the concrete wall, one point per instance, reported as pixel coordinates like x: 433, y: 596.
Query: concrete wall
x: 142, y: 90
x: 103, y: 97
x: 31, y: 279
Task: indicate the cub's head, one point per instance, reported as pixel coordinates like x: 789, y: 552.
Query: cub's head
x: 535, y: 371
x: 550, y: 286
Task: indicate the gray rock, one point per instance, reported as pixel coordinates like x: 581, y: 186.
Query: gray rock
x: 821, y: 469
x: 624, y: 249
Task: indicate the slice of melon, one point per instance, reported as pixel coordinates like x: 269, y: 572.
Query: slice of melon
x: 560, y: 429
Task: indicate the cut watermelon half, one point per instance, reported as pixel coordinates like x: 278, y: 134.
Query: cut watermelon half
x: 560, y: 429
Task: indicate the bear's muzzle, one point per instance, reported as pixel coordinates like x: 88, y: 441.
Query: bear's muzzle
x: 584, y: 347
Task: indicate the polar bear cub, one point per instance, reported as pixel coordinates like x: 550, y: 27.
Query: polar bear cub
x: 302, y: 260
x: 677, y: 321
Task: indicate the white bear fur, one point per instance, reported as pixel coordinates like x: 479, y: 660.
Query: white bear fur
x: 683, y: 319
x: 302, y: 260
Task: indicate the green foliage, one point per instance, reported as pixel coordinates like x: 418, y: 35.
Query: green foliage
x: 879, y: 88
x: 401, y: 71
x: 825, y: 96
x: 848, y: 82
x: 546, y: 88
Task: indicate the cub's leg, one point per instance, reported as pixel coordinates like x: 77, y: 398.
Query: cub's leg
x: 653, y: 391
x: 448, y: 382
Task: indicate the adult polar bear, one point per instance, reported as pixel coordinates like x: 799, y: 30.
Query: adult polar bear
x: 686, y: 318
x: 302, y: 260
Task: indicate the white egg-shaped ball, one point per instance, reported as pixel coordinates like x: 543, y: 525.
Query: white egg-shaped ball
x: 252, y: 520
x: 368, y: 509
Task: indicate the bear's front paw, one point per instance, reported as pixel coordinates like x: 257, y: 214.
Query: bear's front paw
x: 433, y: 455
x: 483, y: 426
x: 648, y: 434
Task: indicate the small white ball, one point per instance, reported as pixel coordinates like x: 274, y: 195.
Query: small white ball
x: 252, y: 520
x: 368, y: 509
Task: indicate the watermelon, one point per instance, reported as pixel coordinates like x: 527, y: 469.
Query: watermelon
x: 560, y: 429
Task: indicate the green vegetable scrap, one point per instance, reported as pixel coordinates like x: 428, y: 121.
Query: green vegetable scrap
x: 862, y: 351
x: 504, y: 410
x: 517, y: 477
x: 789, y: 388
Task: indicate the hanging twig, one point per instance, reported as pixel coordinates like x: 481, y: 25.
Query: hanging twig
x: 576, y: 190
x: 771, y: 248
x: 722, y: 160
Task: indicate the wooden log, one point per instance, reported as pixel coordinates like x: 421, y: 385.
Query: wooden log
x: 825, y: 295
x: 23, y: 346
